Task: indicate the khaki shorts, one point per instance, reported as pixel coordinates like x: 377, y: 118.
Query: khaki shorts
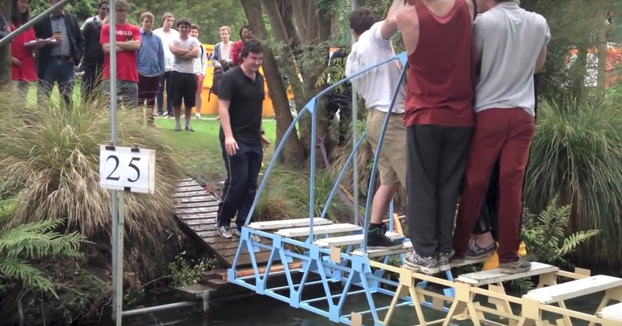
x: 392, y: 159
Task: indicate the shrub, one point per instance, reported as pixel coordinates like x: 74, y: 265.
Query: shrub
x: 54, y: 154
x: 575, y: 156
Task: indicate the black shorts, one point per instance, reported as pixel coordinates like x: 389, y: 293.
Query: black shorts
x: 184, y: 88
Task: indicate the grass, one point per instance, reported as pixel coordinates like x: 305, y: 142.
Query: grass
x: 201, y: 152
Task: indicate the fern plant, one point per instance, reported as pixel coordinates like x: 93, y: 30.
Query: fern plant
x: 545, y: 234
x: 21, y: 245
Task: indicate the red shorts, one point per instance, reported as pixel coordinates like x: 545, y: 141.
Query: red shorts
x: 200, y: 83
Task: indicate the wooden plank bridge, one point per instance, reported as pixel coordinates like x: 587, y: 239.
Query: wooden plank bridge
x: 196, y: 208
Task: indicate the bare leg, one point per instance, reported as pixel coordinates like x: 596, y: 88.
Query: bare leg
x: 187, y: 116
x: 381, y: 201
x: 199, y: 103
x: 177, y: 113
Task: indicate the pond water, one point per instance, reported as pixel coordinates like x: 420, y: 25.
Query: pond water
x: 265, y: 311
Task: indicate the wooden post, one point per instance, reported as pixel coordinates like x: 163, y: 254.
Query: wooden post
x: 5, y: 51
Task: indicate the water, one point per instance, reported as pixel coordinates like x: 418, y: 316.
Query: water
x: 265, y: 311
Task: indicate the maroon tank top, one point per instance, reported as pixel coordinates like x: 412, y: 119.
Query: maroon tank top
x: 440, y: 87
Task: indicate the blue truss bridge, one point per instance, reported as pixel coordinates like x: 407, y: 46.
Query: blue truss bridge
x: 316, y: 251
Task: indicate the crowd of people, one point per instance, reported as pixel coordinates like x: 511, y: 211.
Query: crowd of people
x: 153, y: 65
x: 459, y: 114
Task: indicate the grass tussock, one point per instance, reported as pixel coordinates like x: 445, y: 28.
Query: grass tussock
x: 287, y: 196
x: 575, y: 157
x: 52, y: 153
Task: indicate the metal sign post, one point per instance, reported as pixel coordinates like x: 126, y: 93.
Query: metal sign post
x: 116, y: 196
x: 355, y: 171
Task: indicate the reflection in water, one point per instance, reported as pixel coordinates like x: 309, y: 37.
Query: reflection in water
x: 264, y: 311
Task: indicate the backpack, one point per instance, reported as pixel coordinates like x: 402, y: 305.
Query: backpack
x: 217, y: 76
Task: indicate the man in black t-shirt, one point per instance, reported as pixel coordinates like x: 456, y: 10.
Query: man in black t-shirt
x: 240, y: 102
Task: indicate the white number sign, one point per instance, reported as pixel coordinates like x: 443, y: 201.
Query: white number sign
x: 124, y: 168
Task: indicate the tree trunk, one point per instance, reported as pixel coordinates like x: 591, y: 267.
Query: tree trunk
x: 5, y: 52
x: 293, y: 153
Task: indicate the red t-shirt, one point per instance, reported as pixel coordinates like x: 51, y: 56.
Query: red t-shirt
x: 127, y: 65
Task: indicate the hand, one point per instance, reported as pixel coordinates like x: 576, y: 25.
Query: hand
x: 265, y: 141
x: 15, y: 61
x: 231, y: 146
x: 39, y: 44
x: 58, y: 37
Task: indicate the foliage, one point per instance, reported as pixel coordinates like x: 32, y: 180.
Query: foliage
x: 575, y: 156
x: 287, y: 197
x: 546, y: 238
x: 54, y: 153
x: 184, y: 272
x: 22, y: 244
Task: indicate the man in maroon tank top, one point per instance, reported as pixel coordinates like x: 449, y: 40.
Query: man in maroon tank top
x: 439, y: 119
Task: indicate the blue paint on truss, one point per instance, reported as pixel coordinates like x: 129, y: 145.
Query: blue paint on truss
x: 353, y: 275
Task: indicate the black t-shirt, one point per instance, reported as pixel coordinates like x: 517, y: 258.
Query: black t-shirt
x: 246, y: 104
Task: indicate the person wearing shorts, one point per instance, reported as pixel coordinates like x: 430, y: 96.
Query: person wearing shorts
x: 185, y: 48
x: 377, y: 87
x: 199, y: 70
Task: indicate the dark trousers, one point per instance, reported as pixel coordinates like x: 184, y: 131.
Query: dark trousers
x: 147, y: 92
x: 57, y: 70
x: 503, y: 134
x: 436, y: 163
x: 91, y: 80
x: 241, y: 184
x: 165, y: 84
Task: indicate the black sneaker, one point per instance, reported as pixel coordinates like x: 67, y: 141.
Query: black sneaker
x: 377, y: 239
x: 444, y: 261
x: 476, y: 252
x: 427, y: 265
x: 519, y: 266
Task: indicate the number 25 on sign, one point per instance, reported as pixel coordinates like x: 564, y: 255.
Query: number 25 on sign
x: 127, y: 169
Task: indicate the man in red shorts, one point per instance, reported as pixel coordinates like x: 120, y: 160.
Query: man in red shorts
x: 439, y: 120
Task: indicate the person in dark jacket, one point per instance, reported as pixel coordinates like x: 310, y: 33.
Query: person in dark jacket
x: 4, y: 25
x: 340, y: 101
x: 93, y: 59
x: 57, y: 61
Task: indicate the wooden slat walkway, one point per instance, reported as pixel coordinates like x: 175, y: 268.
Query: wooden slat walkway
x: 196, y: 209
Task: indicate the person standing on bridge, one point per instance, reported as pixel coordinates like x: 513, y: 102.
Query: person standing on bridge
x: 439, y: 119
x: 377, y: 87
x: 242, y: 137
x: 511, y: 43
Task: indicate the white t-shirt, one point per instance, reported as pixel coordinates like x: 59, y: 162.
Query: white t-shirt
x: 378, y: 85
x: 508, y: 40
x: 184, y: 65
x: 167, y: 38
x: 199, y: 63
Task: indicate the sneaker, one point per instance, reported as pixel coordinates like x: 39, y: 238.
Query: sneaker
x: 477, y: 252
x: 444, y: 261
x: 237, y: 233
x: 189, y: 128
x: 426, y: 265
x: 519, y: 266
x: 225, y: 232
x: 177, y: 127
x: 377, y: 240
x: 198, y: 117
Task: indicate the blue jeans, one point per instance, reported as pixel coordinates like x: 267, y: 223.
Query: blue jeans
x: 165, y: 83
x: 61, y: 71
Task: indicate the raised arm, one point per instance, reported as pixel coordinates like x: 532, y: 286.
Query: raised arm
x: 408, y: 25
x: 389, y: 25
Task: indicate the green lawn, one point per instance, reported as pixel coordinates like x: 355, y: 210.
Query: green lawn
x: 201, y: 149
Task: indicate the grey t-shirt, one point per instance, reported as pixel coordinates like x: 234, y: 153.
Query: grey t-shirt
x: 184, y: 65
